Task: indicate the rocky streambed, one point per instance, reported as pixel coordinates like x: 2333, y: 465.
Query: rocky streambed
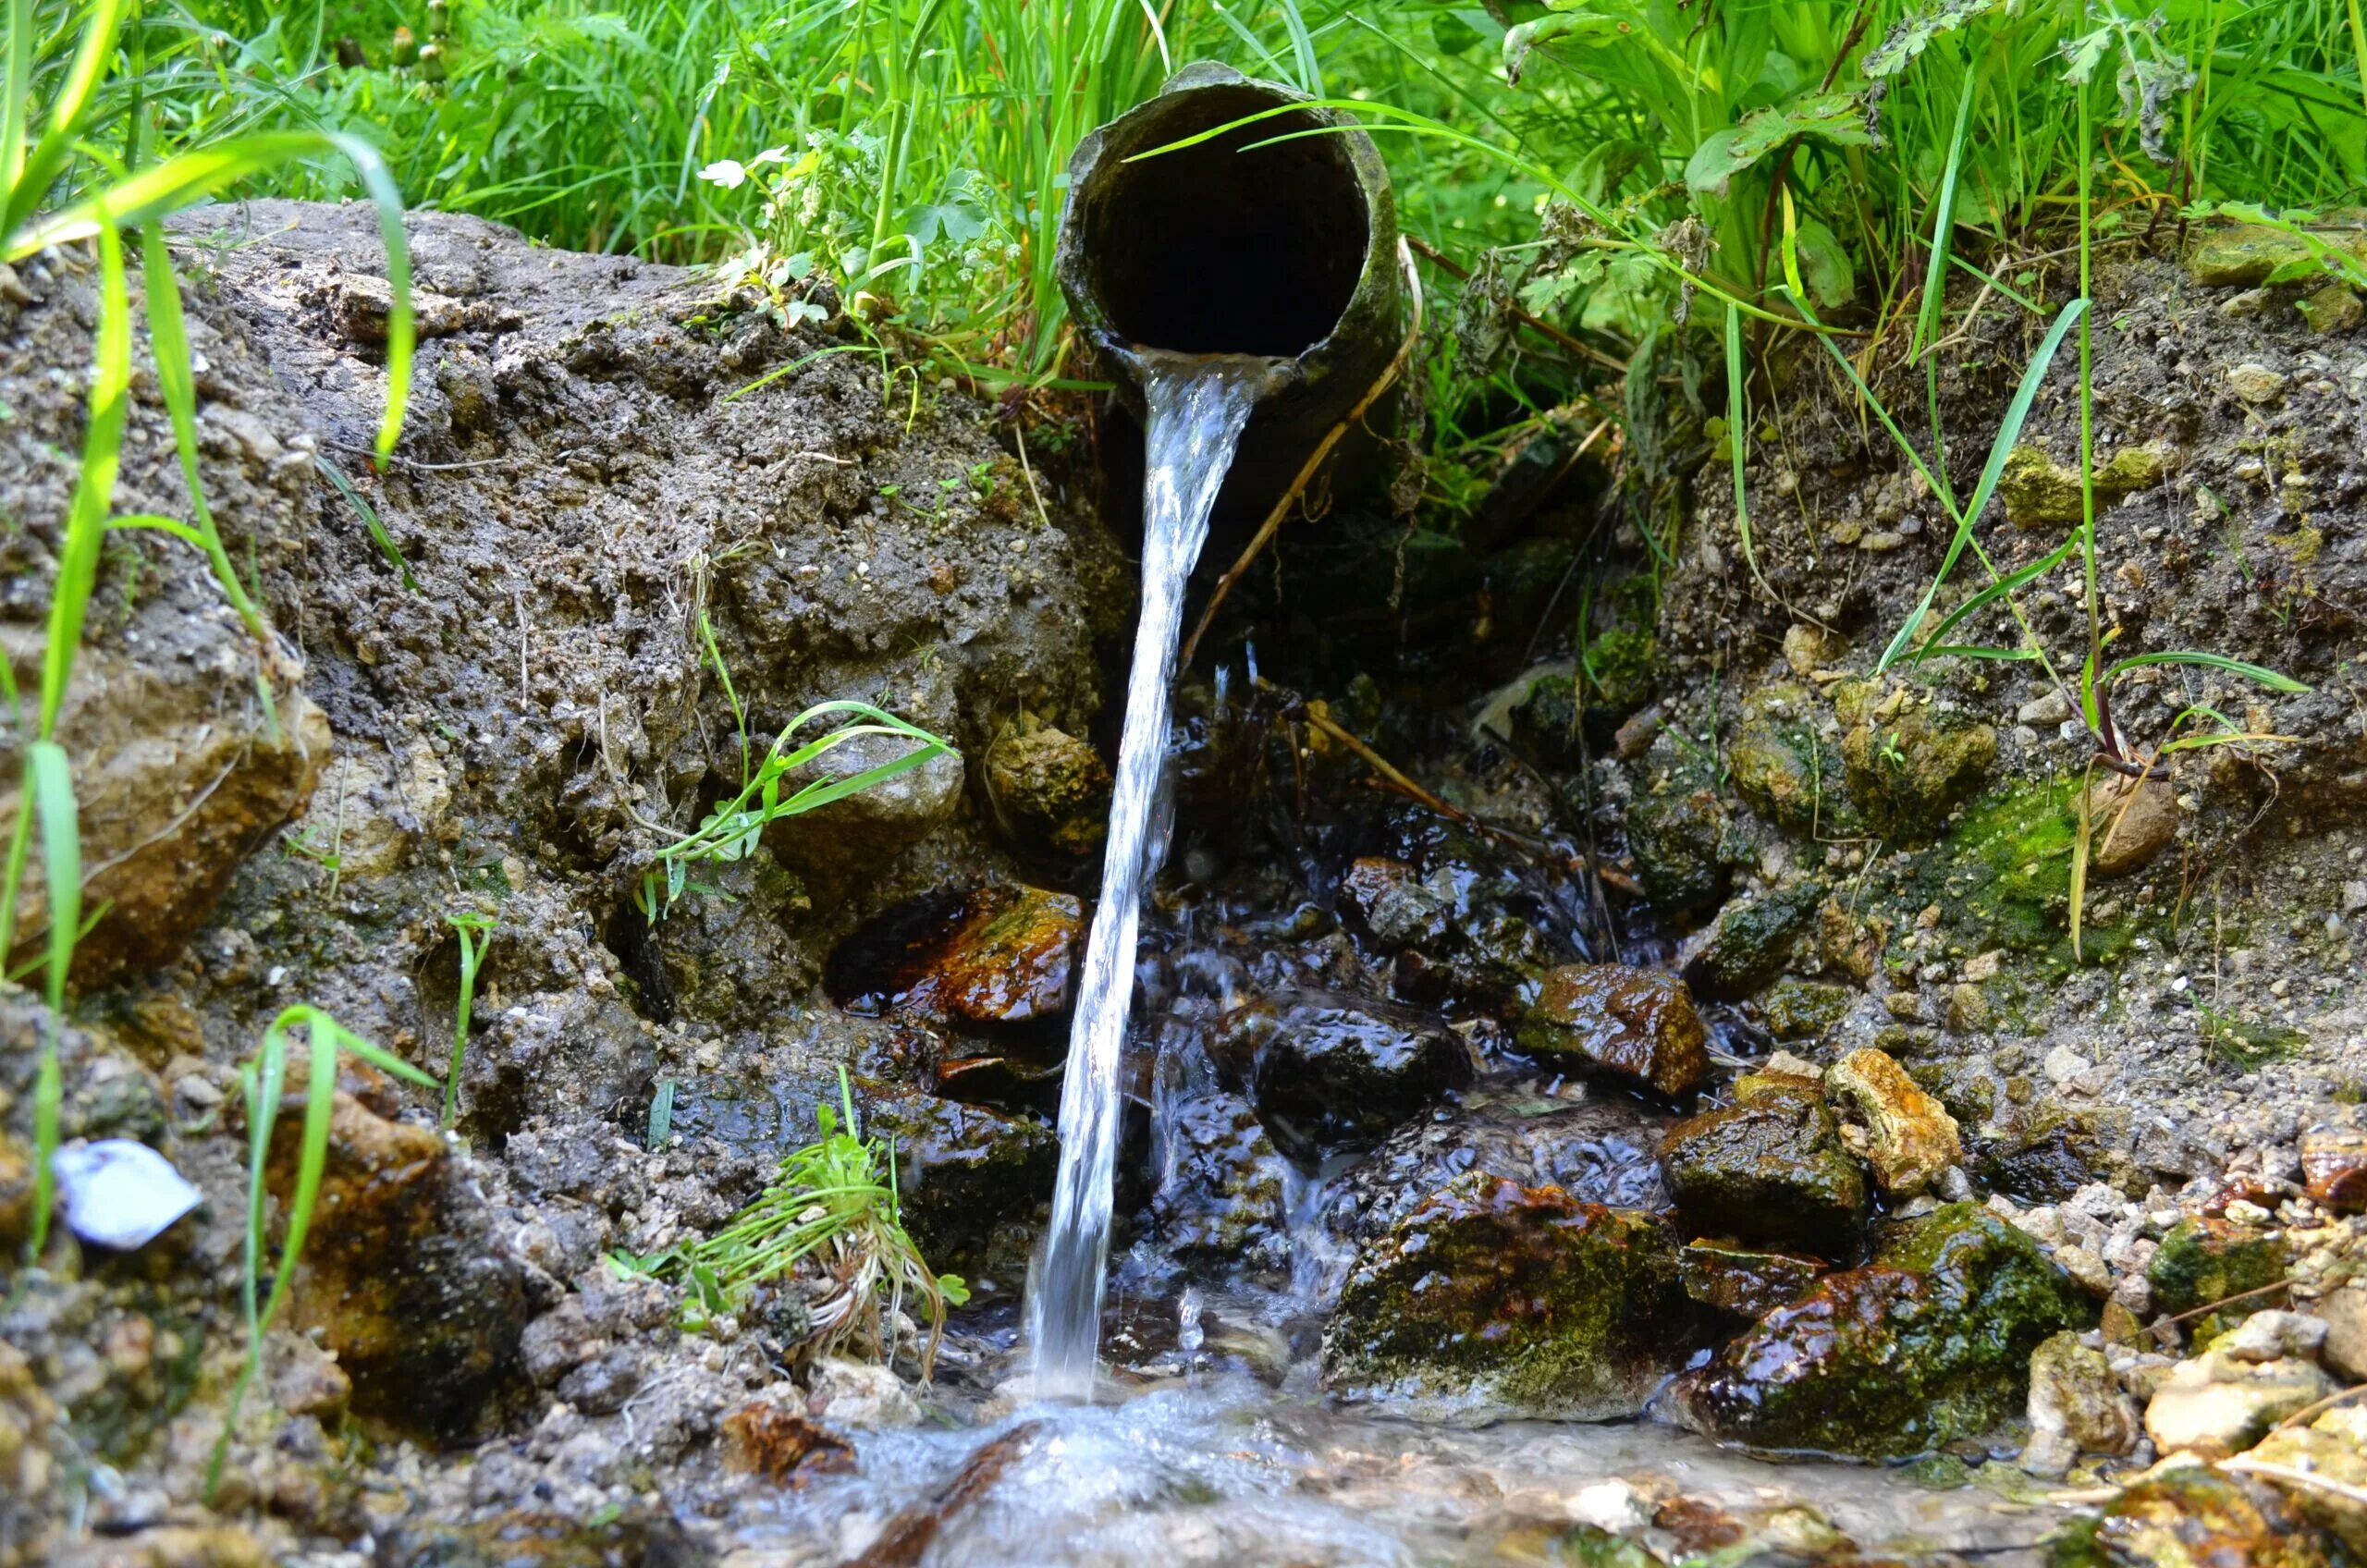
x: 1616, y: 1097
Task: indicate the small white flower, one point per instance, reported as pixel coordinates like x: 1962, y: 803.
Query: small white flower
x: 730, y: 173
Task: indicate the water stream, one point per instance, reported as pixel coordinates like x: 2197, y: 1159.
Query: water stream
x: 1196, y: 407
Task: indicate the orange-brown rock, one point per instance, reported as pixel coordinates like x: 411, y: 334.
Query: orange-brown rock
x: 1637, y: 1027
x: 1001, y: 954
x: 1911, y: 1138
x: 782, y: 1443
x: 2334, y: 1167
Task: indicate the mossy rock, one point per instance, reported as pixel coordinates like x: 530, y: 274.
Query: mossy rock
x: 1771, y: 1170
x: 2249, y: 254
x: 1908, y: 765
x: 1049, y: 790
x: 1752, y: 939
x: 2193, y: 1517
x: 1616, y: 671
x: 2205, y: 1261
x: 1782, y: 766
x: 963, y: 1172
x: 2039, y: 492
x: 1795, y: 1009
x: 1928, y: 1345
x: 1495, y: 1298
x: 2002, y: 878
x: 1684, y: 840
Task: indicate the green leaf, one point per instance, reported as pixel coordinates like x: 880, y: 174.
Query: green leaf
x: 1935, y: 644
x: 1838, y: 118
x: 1914, y: 34
x: 2268, y: 677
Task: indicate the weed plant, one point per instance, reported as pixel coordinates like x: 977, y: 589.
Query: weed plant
x: 473, y: 931
x: 263, y: 1081
x: 832, y: 1209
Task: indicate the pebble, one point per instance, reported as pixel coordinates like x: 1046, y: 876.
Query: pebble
x: 2272, y: 1335
x: 2255, y: 382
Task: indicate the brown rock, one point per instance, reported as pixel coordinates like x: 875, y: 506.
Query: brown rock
x: 2130, y: 824
x: 2200, y: 1517
x: 1001, y: 954
x: 16, y: 1193
x: 2333, y: 1447
x: 772, y: 1439
x: 1912, y: 1139
x: 401, y: 1279
x: 1048, y: 790
x: 1636, y: 1025
x: 2334, y: 1167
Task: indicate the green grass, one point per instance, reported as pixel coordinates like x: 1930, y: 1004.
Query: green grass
x: 473, y: 931
x: 833, y: 1204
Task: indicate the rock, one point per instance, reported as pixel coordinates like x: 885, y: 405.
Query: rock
x: 2131, y: 824
x: 963, y: 1172
x: 860, y: 1394
x: 2076, y: 1407
x: 846, y: 843
x: 1912, y: 1138
x: 1637, y: 1027
x: 1779, y: 762
x: 2345, y: 1349
x: 305, y: 1382
x: 1796, y: 1009
x: 1453, y: 935
x: 1329, y: 1072
x: 1002, y: 953
x: 402, y: 1278
x: 2203, y: 1262
x: 1512, y: 1300
x: 773, y: 1438
x: 1743, y: 1283
x: 179, y: 774
x: 2247, y: 255
x: 2256, y: 383
x: 601, y: 1385
x: 2190, y: 1516
x: 2216, y: 1405
x: 2335, y: 308
x: 2046, y: 710
x: 1771, y: 1169
x: 1048, y: 790
x: 1906, y: 768
x: 1967, y: 1011
x: 1685, y: 847
x: 527, y: 1538
x: 1752, y: 940
x: 1221, y: 1184
x: 2334, y: 1447
x: 2334, y: 1168
x: 1929, y: 1345
x: 2272, y: 1335
x: 16, y: 1191
x: 2039, y: 492
x: 1807, y: 649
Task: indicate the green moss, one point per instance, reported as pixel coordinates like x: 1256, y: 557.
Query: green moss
x: 1782, y: 766
x: 1906, y: 765
x: 2038, y: 491
x: 2002, y: 878
x: 1520, y: 1299
x: 2204, y: 1261
x: 1928, y: 1345
x: 1752, y: 940
x: 1803, y: 1009
x: 1617, y: 668
x: 1771, y: 1170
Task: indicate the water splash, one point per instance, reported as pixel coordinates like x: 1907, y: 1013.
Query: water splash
x: 1197, y: 406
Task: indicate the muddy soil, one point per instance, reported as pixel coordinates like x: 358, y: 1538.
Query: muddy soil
x: 633, y: 517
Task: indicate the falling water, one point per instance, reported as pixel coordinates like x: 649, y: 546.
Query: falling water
x: 1197, y: 406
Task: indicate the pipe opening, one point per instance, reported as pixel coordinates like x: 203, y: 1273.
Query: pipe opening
x: 1215, y: 250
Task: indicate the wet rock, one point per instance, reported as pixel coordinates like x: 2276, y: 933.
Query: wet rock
x: 2204, y: 1261
x: 1450, y: 927
x: 2191, y: 1516
x: 2131, y: 824
x: 2334, y: 1168
x: 846, y: 843
x: 2334, y: 1447
x: 1779, y: 761
x: 1544, y: 717
x: 963, y: 1172
x: 2040, y: 1158
x: 2039, y: 492
x: 601, y: 1385
x: 1911, y: 1138
x: 173, y: 787
x: 1636, y: 1027
x: 525, y: 1538
x: 772, y: 1437
x: 1001, y: 954
x: 1219, y: 1198
x: 1927, y: 1344
x: 2076, y: 1407
x: 402, y: 1278
x: 1330, y: 1072
x: 1796, y: 1009
x: 1752, y: 940
x: 1048, y: 790
x: 2335, y: 308
x: 1908, y: 765
x: 1743, y: 1282
x: 1512, y: 1300
x: 2216, y: 1405
x: 1684, y: 846
x: 1771, y: 1170
x: 1602, y: 1151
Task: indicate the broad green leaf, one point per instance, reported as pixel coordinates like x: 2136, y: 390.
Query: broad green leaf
x: 1838, y: 118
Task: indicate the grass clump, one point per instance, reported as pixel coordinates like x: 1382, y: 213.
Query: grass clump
x: 833, y: 1215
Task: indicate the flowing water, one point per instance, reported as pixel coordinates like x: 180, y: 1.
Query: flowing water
x: 1196, y: 407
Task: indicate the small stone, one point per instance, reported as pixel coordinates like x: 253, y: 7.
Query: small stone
x: 1968, y: 1011
x: 1808, y: 648
x: 2334, y: 1168
x: 2255, y: 382
x: 2345, y: 1349
x: 2076, y: 1407
x: 2043, y: 711
x: 2354, y: 897
x: 1638, y: 1026
x: 857, y: 1393
x: 1752, y: 940
x: 1047, y: 789
x: 2335, y: 1448
x: 2132, y: 821
x: 2063, y: 1064
x: 2272, y: 1335
x: 772, y: 1437
x: 2335, y: 308
x: 2203, y: 1262
x: 1330, y: 1072
x: 2192, y: 1516
x: 1771, y: 1169
x: 1913, y: 1138
x: 2215, y: 1406
x: 1001, y: 954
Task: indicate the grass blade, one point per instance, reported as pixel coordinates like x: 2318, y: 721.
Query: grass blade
x: 86, y: 517
x: 2268, y: 677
